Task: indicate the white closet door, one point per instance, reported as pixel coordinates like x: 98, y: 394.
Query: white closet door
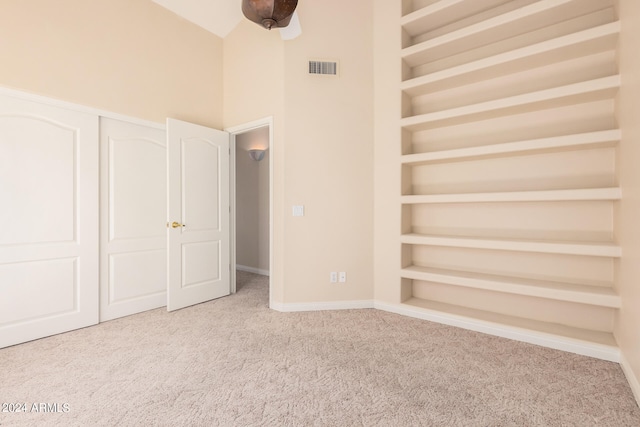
x: 49, y: 217
x: 133, y: 259
x: 199, y: 245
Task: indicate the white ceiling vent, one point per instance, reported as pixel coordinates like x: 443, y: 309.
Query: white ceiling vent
x: 323, y: 68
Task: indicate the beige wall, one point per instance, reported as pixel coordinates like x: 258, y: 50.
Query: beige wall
x: 247, y: 210
x: 387, y: 71
x: 329, y: 154
x: 127, y: 56
x: 264, y: 222
x: 628, y: 212
x: 323, y: 151
x: 252, y: 201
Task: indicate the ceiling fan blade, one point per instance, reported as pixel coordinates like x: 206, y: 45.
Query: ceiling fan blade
x: 293, y: 30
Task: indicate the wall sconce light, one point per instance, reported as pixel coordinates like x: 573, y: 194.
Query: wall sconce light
x: 257, y: 155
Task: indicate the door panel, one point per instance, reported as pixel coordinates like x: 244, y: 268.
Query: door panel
x: 25, y: 279
x: 41, y: 172
x: 134, y: 208
x: 49, y: 193
x: 199, y: 203
x: 201, y: 263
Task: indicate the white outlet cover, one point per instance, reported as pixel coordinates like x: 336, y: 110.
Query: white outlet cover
x: 298, y: 210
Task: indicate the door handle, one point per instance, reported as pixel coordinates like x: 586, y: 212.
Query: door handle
x: 176, y: 224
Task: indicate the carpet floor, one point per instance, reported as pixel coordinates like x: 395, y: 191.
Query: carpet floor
x: 234, y: 362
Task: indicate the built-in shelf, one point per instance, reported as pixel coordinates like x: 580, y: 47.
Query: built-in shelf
x: 576, y: 141
x: 549, y: 247
x: 589, y: 91
x: 582, y: 341
x: 583, y: 294
x: 453, y: 52
x: 519, y: 196
x: 519, y: 21
x: 587, y: 42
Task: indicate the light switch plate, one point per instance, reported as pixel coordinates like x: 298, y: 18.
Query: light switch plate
x: 298, y: 210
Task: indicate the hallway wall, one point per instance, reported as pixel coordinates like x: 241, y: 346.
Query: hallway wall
x: 252, y: 203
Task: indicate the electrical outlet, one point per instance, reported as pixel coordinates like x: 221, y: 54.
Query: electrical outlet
x: 343, y: 277
x: 333, y: 277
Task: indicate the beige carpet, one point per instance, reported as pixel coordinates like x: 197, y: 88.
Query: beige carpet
x: 234, y: 362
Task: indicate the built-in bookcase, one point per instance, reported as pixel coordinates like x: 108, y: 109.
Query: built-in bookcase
x: 509, y: 179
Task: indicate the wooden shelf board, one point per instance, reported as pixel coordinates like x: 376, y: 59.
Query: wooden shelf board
x: 442, y: 13
x: 583, y: 43
x: 519, y: 196
x: 592, y: 90
x: 551, y: 247
x: 583, y: 294
x: 599, y: 341
x: 526, y: 18
x: 518, y: 147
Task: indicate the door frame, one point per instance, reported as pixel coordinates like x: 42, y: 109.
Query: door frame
x: 233, y: 132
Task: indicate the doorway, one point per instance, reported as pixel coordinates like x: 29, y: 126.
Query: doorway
x: 251, y: 194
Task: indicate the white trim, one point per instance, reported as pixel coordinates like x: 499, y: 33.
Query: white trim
x: 80, y: 108
x: 233, y: 131
x: 633, y: 380
x: 252, y: 270
x: 612, y: 193
x: 519, y: 334
x: 232, y: 213
x: 322, y: 306
x: 246, y: 127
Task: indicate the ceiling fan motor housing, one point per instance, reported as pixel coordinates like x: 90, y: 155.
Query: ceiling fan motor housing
x: 269, y: 13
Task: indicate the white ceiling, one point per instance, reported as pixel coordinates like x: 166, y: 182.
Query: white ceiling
x: 217, y: 16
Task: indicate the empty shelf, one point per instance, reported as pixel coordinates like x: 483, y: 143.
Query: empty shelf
x: 519, y: 196
x: 522, y: 20
x: 566, y: 248
x: 582, y: 341
x: 554, y: 143
x: 584, y: 294
x: 592, y: 90
x: 574, y: 45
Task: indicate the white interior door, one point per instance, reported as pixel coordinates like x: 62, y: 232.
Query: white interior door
x: 133, y: 210
x: 198, y: 214
x: 49, y: 238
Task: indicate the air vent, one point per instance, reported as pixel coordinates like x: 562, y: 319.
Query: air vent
x: 325, y: 68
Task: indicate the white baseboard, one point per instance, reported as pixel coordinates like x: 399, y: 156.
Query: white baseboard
x: 633, y: 380
x: 602, y: 352
x: 322, y: 306
x: 557, y: 342
x: 585, y: 348
x: 252, y: 270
